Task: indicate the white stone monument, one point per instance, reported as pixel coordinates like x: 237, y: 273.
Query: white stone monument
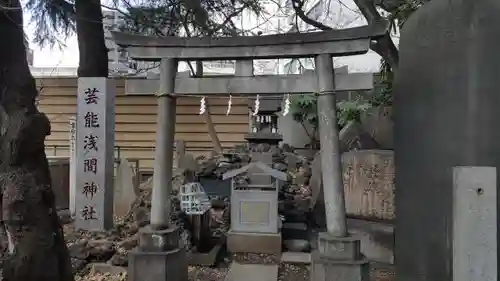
x: 95, y: 132
x: 72, y: 165
x: 474, y: 223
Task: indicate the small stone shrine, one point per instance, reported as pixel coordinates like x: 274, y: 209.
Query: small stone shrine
x: 264, y: 124
x: 254, y: 207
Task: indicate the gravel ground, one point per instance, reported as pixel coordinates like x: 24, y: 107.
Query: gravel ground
x: 256, y: 258
x: 291, y: 272
x: 206, y: 273
x: 101, y: 277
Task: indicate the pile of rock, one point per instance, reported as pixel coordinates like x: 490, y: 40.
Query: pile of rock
x: 112, y: 246
x: 295, y: 195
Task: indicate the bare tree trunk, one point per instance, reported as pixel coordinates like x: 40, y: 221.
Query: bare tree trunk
x: 208, y: 117
x: 37, y: 251
x: 91, y: 44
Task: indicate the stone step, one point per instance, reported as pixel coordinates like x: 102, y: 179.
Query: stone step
x: 296, y: 258
x: 252, y: 272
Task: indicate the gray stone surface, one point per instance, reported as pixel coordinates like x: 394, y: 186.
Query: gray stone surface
x: 125, y: 193
x: 265, y: 243
x: 331, y: 161
x: 327, y: 269
x: 152, y: 240
x: 336, y: 42
x: 243, y: 85
x: 164, y: 149
x: 295, y: 257
x: 158, y: 266
x: 297, y: 245
x: 446, y: 114
x: 252, y: 272
x: 104, y: 268
x: 341, y: 248
x: 377, y: 239
x: 475, y: 223
x: 95, y: 141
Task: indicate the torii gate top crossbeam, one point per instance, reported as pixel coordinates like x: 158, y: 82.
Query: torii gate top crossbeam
x: 340, y: 42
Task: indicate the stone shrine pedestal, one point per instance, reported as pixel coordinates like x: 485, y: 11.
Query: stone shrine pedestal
x: 339, y: 259
x: 254, y: 207
x: 158, y: 257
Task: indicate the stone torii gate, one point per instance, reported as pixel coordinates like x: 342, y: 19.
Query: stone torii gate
x: 158, y: 253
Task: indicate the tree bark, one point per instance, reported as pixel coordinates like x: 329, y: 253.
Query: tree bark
x: 37, y: 251
x: 91, y: 43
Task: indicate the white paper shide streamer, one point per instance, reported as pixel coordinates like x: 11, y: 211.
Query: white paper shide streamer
x: 203, y: 106
x: 229, y: 104
x: 286, y: 108
x: 256, y: 106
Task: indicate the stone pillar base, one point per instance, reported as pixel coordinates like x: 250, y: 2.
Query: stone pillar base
x: 325, y: 268
x: 158, y: 257
x: 158, y: 266
x: 247, y: 242
x: 339, y: 259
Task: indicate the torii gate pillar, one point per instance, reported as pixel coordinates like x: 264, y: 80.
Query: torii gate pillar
x: 159, y: 256
x: 338, y: 257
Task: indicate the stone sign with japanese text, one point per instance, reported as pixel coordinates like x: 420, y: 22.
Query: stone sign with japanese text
x: 94, y: 153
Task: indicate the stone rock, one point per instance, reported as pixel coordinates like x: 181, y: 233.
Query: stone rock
x: 79, y: 250
x: 78, y: 264
x: 100, y: 250
x: 379, y: 123
x: 297, y: 245
x: 105, y: 268
x: 280, y: 167
x: 64, y: 216
x: 125, y: 191
x: 119, y: 259
x: 129, y: 243
x: 141, y: 216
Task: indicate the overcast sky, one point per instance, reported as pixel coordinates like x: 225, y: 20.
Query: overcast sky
x: 54, y: 57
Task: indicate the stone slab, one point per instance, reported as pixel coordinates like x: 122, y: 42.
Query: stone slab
x: 95, y: 140
x: 125, y: 193
x: 342, y: 248
x: 295, y: 257
x: 291, y: 83
x: 474, y: 223
x: 244, y: 242
x: 206, y: 259
x: 252, y: 272
x: 152, y: 240
x: 324, y: 268
x: 104, y: 268
x: 377, y: 239
x: 158, y: 266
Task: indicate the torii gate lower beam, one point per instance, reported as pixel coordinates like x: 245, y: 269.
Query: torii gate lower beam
x: 334, y: 245
x: 262, y: 84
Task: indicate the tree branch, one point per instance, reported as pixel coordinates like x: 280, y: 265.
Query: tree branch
x: 384, y: 46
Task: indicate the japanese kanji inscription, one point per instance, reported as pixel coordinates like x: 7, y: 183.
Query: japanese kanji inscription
x: 94, y: 154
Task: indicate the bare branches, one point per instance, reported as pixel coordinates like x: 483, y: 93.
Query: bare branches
x: 384, y: 46
x: 298, y: 7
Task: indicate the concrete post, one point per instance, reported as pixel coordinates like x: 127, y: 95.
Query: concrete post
x: 474, y: 223
x: 338, y: 257
x: 158, y: 255
x: 333, y: 187
x: 165, y: 134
